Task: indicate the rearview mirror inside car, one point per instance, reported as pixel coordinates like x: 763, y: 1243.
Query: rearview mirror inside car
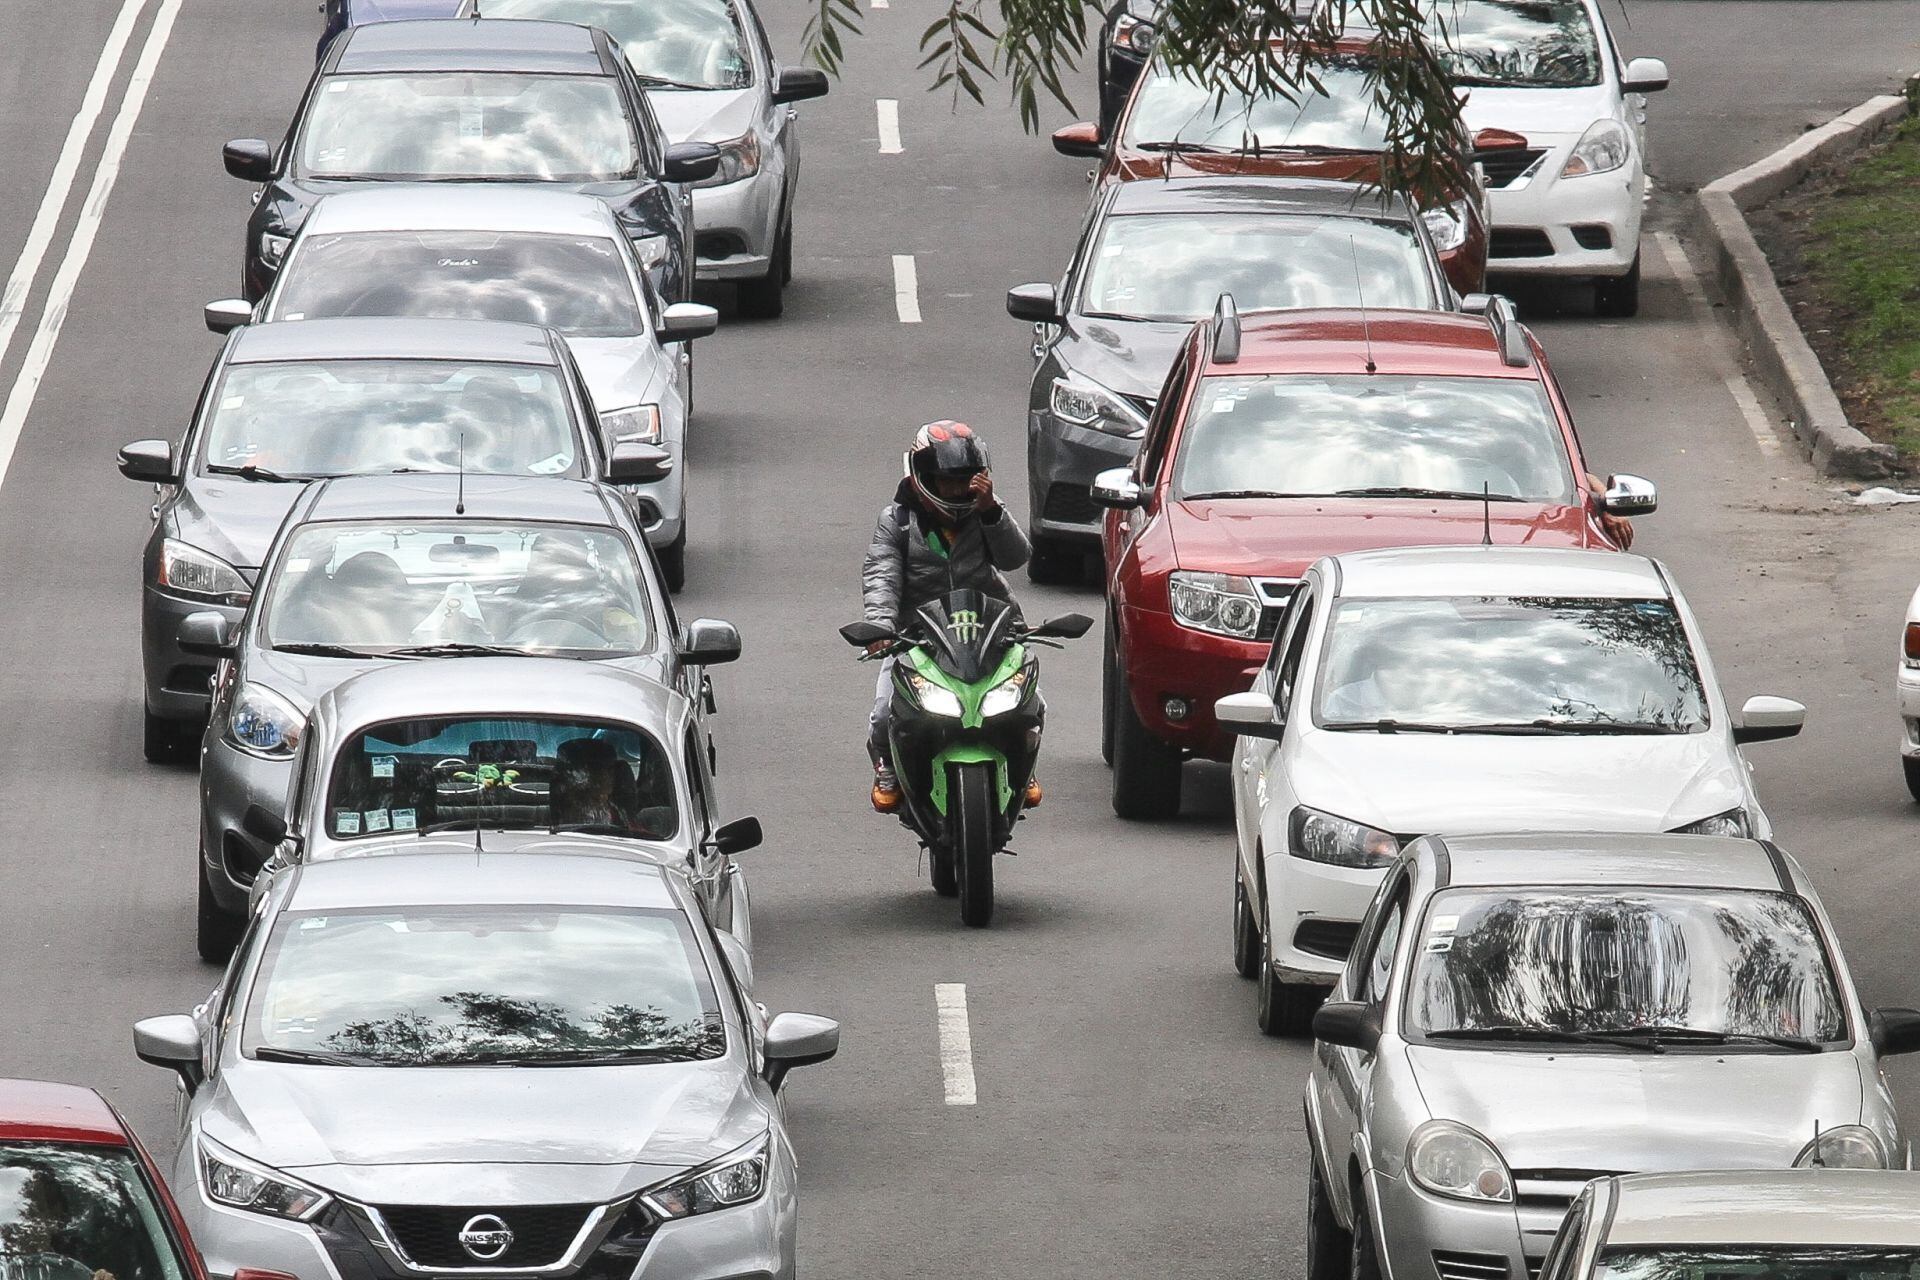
x: 1251, y: 714
x: 690, y: 162
x: 205, y: 635
x: 148, y: 460
x: 248, y: 159
x: 797, y: 84
x: 1765, y: 718
x: 634, y: 462
x: 738, y: 836
x: 798, y: 1040
x: 227, y: 314
x: 1039, y: 303
x: 707, y: 641
x: 685, y: 321
x: 1081, y: 140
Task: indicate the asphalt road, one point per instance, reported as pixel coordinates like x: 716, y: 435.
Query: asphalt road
x: 1129, y: 1117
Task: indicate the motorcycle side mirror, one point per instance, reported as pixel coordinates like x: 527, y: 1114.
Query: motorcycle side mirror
x: 862, y: 634
x: 1068, y: 626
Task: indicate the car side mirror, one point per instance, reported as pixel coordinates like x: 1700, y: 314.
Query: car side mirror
x: 1489, y: 143
x: 1068, y: 626
x: 264, y: 825
x: 1894, y: 1031
x: 1765, y: 719
x: 738, y: 836
x: 1039, y: 303
x: 1251, y: 714
x: 171, y: 1041
x: 862, y: 634
x: 708, y: 641
x: 148, y: 460
x: 633, y: 462
x: 248, y: 159
x: 1082, y: 140
x: 1348, y: 1024
x: 690, y: 162
x: 227, y: 314
x: 1630, y: 496
x: 685, y: 321
x: 1644, y: 75
x: 798, y: 1040
x: 205, y: 635
x: 797, y: 84
x: 1117, y: 489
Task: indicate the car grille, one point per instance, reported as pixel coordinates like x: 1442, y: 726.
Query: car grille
x: 1070, y: 504
x: 1469, y: 1266
x: 1553, y: 1189
x: 1331, y: 939
x: 1274, y: 594
x: 429, y: 1235
x: 1519, y: 242
x: 1503, y: 167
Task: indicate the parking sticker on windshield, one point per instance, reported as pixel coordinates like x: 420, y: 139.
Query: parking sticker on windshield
x: 346, y: 822
x: 1224, y: 404
x: 472, y: 125
x: 383, y: 766
x: 405, y: 820
x: 377, y: 820
x: 232, y: 402
x: 550, y: 466
x: 1441, y: 938
x: 296, y: 1026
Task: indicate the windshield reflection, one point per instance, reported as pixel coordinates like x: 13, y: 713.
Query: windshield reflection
x: 1180, y: 107
x: 1517, y: 43
x: 695, y: 44
x: 1759, y: 1262
x: 79, y: 1213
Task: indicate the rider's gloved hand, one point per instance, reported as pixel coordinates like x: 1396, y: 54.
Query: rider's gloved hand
x: 877, y: 647
x: 981, y: 487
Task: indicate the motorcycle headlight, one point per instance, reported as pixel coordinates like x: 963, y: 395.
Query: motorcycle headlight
x: 263, y: 723
x: 1448, y: 224
x: 233, y: 1180
x: 186, y: 570
x: 1006, y: 695
x: 1731, y: 823
x: 652, y: 251
x: 1846, y: 1146
x: 1084, y: 404
x: 1601, y: 149
x: 1222, y: 603
x: 1133, y: 33
x: 1452, y: 1160
x: 934, y: 699
x: 739, y: 158
x: 639, y: 423
x: 273, y: 247
x: 733, y: 1180
x: 1339, y: 842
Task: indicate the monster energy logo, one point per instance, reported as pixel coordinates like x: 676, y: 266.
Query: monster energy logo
x: 965, y: 624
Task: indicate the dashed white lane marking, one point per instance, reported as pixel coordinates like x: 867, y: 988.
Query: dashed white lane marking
x: 879, y: 4
x: 1736, y: 382
x: 889, y: 113
x: 60, y: 295
x: 13, y: 302
x: 956, y: 1042
x: 906, y: 288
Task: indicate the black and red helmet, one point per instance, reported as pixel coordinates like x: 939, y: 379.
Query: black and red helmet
x: 944, y: 449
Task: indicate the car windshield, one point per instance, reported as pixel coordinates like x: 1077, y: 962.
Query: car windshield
x: 442, y: 986
x: 1758, y: 1262
x: 1176, y: 266
x: 462, y: 772
x: 80, y: 1213
x: 1374, y: 434
x: 1179, y: 107
x: 299, y: 419
x: 1513, y: 664
x: 1716, y: 963
x: 577, y: 284
x: 380, y: 588
x: 468, y: 125
x: 1522, y: 44
x: 694, y: 44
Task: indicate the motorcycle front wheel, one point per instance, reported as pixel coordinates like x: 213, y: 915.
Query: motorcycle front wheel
x: 970, y: 811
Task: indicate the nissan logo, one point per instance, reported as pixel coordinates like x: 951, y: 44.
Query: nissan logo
x: 485, y: 1237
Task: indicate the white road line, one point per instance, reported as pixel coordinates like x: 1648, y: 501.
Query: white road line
x: 889, y: 111
x: 13, y: 302
x: 879, y: 4
x: 60, y: 295
x: 1736, y: 382
x: 906, y: 288
x: 956, y: 1042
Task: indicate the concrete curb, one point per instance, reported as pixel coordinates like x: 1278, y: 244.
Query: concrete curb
x: 1784, y: 362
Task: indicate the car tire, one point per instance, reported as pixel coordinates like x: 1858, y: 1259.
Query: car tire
x: 765, y: 298
x: 1363, y: 1257
x: 1246, y: 930
x: 1284, y: 1008
x: 1146, y: 771
x: 673, y: 562
x: 1109, y: 689
x: 169, y: 741
x: 1911, y: 766
x: 1056, y: 563
x: 216, y: 932
x: 1329, y: 1245
x: 1618, y: 297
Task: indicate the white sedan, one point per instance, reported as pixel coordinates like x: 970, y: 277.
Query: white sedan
x: 1909, y: 681
x: 1465, y: 690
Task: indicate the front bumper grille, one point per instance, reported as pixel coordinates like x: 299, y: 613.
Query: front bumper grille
x: 1506, y: 167
x: 608, y: 1243
x: 1553, y: 1189
x: 429, y: 1235
x: 1070, y: 504
x: 1329, y: 939
x: 1519, y: 242
x: 1451, y: 1265
x: 1274, y: 594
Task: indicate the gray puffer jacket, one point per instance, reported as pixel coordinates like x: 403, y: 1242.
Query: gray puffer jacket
x: 903, y: 571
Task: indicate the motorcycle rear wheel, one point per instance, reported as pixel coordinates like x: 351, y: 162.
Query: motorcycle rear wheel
x: 970, y: 822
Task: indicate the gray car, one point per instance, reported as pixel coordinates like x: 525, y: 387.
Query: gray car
x: 1524, y: 1013
x: 1154, y: 257
x: 504, y: 1066
x: 291, y: 403
x: 368, y: 571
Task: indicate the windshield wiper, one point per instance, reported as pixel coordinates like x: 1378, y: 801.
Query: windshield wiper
x: 596, y: 828
x: 1409, y: 491
x: 1319, y: 149
x: 253, y: 471
x: 1391, y: 726
x: 1630, y: 1039
x: 1200, y: 148
x: 1600, y: 727
x: 1243, y: 493
x: 1706, y: 1035
x: 662, y: 82
x: 319, y: 650
x: 454, y: 649
x: 323, y: 1057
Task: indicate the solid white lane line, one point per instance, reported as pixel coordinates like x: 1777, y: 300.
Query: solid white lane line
x: 13, y: 301
x: 956, y: 1042
x: 60, y: 295
x: 906, y: 288
x: 1737, y: 385
x: 889, y: 111
x: 879, y: 4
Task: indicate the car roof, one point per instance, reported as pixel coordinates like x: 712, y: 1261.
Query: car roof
x: 1860, y: 1207
x: 1557, y: 858
x: 1344, y: 339
x: 1313, y: 197
x: 479, y: 44
x: 1414, y: 572
x: 382, y: 338
x: 43, y: 1111
x: 541, y: 688
x: 434, y: 497
x: 479, y: 879
x: 506, y: 207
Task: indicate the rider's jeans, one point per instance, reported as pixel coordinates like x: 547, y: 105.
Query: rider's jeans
x: 878, y: 718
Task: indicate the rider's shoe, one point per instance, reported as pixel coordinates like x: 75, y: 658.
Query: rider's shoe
x: 1034, y: 794
x: 886, y: 790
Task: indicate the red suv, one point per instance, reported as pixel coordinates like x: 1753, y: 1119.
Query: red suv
x: 1289, y: 435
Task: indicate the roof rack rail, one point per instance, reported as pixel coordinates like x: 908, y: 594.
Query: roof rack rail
x: 1226, y: 330
x: 1505, y: 323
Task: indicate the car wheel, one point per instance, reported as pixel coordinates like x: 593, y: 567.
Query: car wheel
x: 1912, y: 768
x: 169, y: 741
x: 1109, y: 689
x: 1285, y: 1008
x: 1363, y: 1258
x: 1146, y: 771
x: 765, y: 298
x: 673, y: 562
x: 217, y: 933
x: 1056, y: 563
x: 1246, y: 931
x: 1618, y: 296
x: 1329, y: 1246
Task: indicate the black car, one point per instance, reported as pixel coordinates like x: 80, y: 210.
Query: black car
x: 480, y: 101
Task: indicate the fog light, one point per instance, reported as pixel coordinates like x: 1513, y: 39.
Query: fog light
x: 1176, y: 709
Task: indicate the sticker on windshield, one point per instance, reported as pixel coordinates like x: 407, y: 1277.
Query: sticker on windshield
x: 1441, y: 938
x: 298, y: 564
x: 232, y: 402
x: 377, y: 820
x: 472, y: 125
x: 405, y: 820
x: 1224, y: 404
x: 346, y: 822
x: 551, y: 466
x: 296, y: 1026
x: 383, y: 766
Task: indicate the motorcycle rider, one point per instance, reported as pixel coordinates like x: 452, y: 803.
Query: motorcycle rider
x: 943, y: 531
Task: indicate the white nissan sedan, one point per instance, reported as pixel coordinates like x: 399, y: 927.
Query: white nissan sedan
x: 1465, y: 689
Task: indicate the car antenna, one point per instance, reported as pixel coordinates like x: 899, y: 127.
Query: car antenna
x: 460, y: 490
x: 1818, y: 1162
x: 1366, y: 330
x: 1486, y: 513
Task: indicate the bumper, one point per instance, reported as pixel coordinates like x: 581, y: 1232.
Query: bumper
x: 1908, y: 681
x: 1414, y: 1226
x: 1165, y: 660
x: 1313, y: 913
x: 1553, y: 226
x: 735, y: 226
x: 1062, y: 461
x: 176, y: 683
x: 230, y: 780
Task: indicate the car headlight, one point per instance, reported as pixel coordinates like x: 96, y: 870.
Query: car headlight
x: 1085, y: 404
x: 934, y: 699
x: 1006, y: 695
x: 1222, y: 603
x: 239, y: 1183
x: 263, y: 723
x: 739, y: 158
x: 1731, y: 823
x: 273, y: 247
x: 732, y: 1180
x: 1134, y: 33
x: 186, y: 570
x: 639, y: 423
x: 1450, y: 1159
x: 1601, y: 149
x: 652, y: 251
x: 1846, y: 1146
x: 1448, y: 224
x: 1339, y: 842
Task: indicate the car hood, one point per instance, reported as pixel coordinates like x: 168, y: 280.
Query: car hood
x: 1280, y: 537
x: 1130, y: 357
x: 1537, y: 114
x: 1413, y: 784
x: 392, y: 1133
x: 1361, y: 167
x: 621, y: 372
x: 1639, y: 1112
x: 703, y: 115
x: 234, y: 519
